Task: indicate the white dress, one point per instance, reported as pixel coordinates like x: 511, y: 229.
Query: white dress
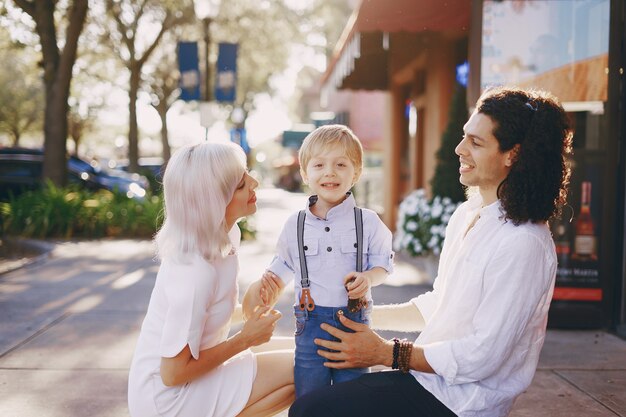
x: 191, y: 304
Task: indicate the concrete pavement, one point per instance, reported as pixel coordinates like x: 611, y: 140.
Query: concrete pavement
x: 69, y: 323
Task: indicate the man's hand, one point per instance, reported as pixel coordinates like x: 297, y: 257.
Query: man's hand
x: 360, y: 349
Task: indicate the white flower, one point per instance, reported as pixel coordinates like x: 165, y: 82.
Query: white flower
x: 422, y: 223
x: 411, y: 226
x: 437, y: 210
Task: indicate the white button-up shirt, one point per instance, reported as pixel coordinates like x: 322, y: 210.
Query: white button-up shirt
x: 486, y: 316
x: 331, y: 251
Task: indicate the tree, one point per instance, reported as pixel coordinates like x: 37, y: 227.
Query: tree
x: 21, y: 98
x: 325, y: 22
x: 133, y: 23
x: 445, y: 182
x: 81, y: 120
x: 264, y: 32
x: 57, y: 66
x: 162, y: 84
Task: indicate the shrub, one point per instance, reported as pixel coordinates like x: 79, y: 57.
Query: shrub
x: 421, y: 225
x: 445, y: 182
x: 53, y: 212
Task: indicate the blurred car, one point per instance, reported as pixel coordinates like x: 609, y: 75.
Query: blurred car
x: 154, y: 165
x: 21, y: 170
x: 152, y: 168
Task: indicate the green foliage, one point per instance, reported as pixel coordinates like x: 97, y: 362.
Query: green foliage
x: 53, y: 212
x: 248, y: 231
x: 21, y: 97
x: 445, y: 182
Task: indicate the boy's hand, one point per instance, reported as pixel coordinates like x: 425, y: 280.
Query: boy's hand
x: 271, y: 288
x: 262, y: 292
x: 357, y: 284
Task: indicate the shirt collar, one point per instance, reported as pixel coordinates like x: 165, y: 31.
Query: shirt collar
x: 494, y: 209
x: 345, y: 207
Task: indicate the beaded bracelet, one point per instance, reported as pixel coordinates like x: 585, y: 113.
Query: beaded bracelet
x: 404, y: 356
x: 396, y: 351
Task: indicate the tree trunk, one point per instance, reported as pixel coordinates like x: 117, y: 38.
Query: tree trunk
x: 133, y: 129
x: 162, y: 110
x: 55, y: 134
x: 76, y: 144
x: 16, y: 139
x: 57, y: 67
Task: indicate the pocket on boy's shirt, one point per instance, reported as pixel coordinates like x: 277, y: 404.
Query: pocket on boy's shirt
x: 348, y: 250
x: 312, y: 254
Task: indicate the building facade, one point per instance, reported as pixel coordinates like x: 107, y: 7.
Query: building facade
x: 574, y: 48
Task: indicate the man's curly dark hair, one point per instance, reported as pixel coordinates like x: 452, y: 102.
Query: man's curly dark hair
x: 536, y: 187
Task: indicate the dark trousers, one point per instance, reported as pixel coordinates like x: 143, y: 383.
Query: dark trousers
x: 391, y: 393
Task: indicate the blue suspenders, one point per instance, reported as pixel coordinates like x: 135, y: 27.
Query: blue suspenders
x: 306, y: 301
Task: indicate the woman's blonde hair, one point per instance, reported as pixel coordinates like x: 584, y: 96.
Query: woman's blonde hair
x: 198, y: 184
x: 326, y: 137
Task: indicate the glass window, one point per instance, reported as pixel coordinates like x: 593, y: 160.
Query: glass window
x: 559, y: 46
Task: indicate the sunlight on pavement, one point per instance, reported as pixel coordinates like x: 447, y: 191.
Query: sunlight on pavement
x: 85, y: 303
x: 128, y: 279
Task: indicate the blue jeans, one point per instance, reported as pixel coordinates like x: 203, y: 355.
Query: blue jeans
x: 309, y: 370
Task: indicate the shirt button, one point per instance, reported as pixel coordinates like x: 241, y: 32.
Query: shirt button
x: 306, y: 248
x: 329, y: 249
x: 355, y: 245
x: 327, y: 229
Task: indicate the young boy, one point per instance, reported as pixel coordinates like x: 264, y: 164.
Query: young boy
x: 331, y: 162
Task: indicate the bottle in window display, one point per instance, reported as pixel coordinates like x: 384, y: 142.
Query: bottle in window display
x: 585, y: 241
x: 562, y: 243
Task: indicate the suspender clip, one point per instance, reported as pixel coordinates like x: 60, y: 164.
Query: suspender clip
x: 306, y: 301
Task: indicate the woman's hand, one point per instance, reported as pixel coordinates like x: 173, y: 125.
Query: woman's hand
x: 183, y: 368
x: 259, y: 328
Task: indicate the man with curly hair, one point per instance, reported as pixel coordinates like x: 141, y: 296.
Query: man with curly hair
x: 483, y: 324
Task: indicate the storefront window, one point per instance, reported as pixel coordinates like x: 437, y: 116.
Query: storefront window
x: 562, y: 47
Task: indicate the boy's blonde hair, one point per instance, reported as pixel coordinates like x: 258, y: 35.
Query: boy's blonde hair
x: 329, y: 136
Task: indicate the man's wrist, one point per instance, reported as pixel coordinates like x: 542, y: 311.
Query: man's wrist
x: 387, y: 353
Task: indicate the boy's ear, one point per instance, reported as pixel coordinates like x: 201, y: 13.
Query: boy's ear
x: 304, y: 177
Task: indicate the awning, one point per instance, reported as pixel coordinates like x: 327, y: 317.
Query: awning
x: 361, y: 55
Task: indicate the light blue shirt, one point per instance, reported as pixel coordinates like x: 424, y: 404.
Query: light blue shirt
x: 331, y: 251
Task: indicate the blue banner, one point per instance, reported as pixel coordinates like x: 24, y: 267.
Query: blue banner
x: 238, y: 136
x: 226, y: 80
x: 189, y: 82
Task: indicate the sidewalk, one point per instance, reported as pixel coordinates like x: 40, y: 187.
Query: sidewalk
x: 69, y: 323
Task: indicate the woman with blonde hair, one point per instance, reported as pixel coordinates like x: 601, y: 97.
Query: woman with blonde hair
x: 184, y: 363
